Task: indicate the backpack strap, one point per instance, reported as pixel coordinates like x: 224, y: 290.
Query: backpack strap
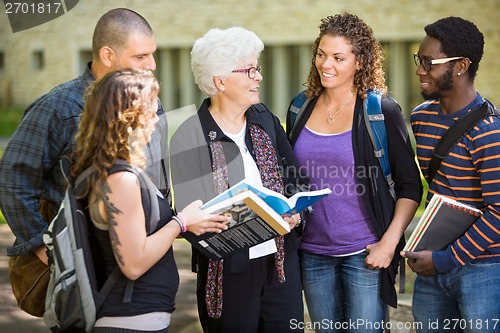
x: 106, y: 288
x: 80, y: 185
x: 454, y: 134
x: 263, y: 112
x: 375, y: 125
x: 296, y: 111
x: 166, y: 192
x: 153, y: 191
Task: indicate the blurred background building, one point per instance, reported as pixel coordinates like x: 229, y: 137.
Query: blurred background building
x: 34, y: 60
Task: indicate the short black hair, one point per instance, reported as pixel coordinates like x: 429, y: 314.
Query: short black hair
x: 459, y: 38
x: 114, y: 28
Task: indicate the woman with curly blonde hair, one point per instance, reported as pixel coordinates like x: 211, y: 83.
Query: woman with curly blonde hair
x: 351, y: 242
x: 117, y: 123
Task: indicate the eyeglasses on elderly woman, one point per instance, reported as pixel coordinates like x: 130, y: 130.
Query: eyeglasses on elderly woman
x: 251, y: 71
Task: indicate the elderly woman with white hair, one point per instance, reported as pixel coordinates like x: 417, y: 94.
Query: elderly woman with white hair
x: 233, y: 137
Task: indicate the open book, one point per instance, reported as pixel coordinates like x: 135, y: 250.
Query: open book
x: 443, y: 221
x: 256, y: 216
x: 277, y: 201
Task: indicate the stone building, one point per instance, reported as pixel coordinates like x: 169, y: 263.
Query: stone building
x: 34, y: 60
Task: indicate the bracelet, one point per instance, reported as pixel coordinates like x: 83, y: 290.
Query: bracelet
x: 181, y: 225
x: 183, y: 221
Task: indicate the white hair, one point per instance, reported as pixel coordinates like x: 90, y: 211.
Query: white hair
x: 219, y: 52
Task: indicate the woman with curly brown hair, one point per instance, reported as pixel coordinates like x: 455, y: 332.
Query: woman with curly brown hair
x: 117, y: 122
x: 351, y: 241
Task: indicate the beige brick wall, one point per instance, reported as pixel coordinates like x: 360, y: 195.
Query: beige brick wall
x: 179, y: 23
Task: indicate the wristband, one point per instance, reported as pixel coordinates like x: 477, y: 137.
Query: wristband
x: 183, y: 221
x: 178, y: 220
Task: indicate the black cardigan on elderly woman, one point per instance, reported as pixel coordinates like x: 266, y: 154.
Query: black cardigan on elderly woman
x: 191, y: 169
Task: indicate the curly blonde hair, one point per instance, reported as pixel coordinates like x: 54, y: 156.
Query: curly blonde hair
x: 118, y: 108
x: 365, y: 47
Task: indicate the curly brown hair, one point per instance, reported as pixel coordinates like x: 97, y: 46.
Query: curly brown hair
x: 365, y: 47
x: 118, y: 108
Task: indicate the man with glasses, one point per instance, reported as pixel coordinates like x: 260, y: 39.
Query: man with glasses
x: 427, y: 63
x: 457, y: 288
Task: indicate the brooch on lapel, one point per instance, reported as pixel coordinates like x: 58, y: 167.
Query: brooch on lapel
x: 212, y: 135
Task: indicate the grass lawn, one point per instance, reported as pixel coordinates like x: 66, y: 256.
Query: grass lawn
x: 9, y: 120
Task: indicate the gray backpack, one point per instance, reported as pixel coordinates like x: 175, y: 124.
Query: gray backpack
x: 74, y: 294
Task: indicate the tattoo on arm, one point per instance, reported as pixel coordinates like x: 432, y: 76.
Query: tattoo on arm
x: 111, y: 211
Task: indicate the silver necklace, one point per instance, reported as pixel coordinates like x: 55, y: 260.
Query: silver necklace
x: 331, y: 117
x: 218, y: 115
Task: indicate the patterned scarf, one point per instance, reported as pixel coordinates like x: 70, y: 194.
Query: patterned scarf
x: 267, y: 162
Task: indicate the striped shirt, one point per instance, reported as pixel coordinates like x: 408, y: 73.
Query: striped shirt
x: 470, y: 174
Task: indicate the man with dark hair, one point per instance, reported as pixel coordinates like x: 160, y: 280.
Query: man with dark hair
x: 30, y: 167
x: 457, y: 288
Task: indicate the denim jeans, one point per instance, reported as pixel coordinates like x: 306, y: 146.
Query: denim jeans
x: 466, y: 299
x: 342, y: 294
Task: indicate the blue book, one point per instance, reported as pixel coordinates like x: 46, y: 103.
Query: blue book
x: 277, y: 201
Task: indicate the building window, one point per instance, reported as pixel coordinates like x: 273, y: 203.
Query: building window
x: 37, y: 60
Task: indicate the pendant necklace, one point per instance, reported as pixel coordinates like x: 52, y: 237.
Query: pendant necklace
x: 331, y: 117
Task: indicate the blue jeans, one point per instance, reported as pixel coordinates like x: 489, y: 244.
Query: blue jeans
x: 342, y: 294
x: 466, y: 299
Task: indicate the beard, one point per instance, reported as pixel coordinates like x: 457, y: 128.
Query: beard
x: 444, y: 83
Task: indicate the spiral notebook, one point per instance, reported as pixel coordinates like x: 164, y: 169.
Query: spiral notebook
x: 443, y: 221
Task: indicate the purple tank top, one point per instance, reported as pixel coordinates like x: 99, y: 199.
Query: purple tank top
x: 340, y: 224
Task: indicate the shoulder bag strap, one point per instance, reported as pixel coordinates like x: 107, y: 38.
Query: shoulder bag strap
x: 454, y: 134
